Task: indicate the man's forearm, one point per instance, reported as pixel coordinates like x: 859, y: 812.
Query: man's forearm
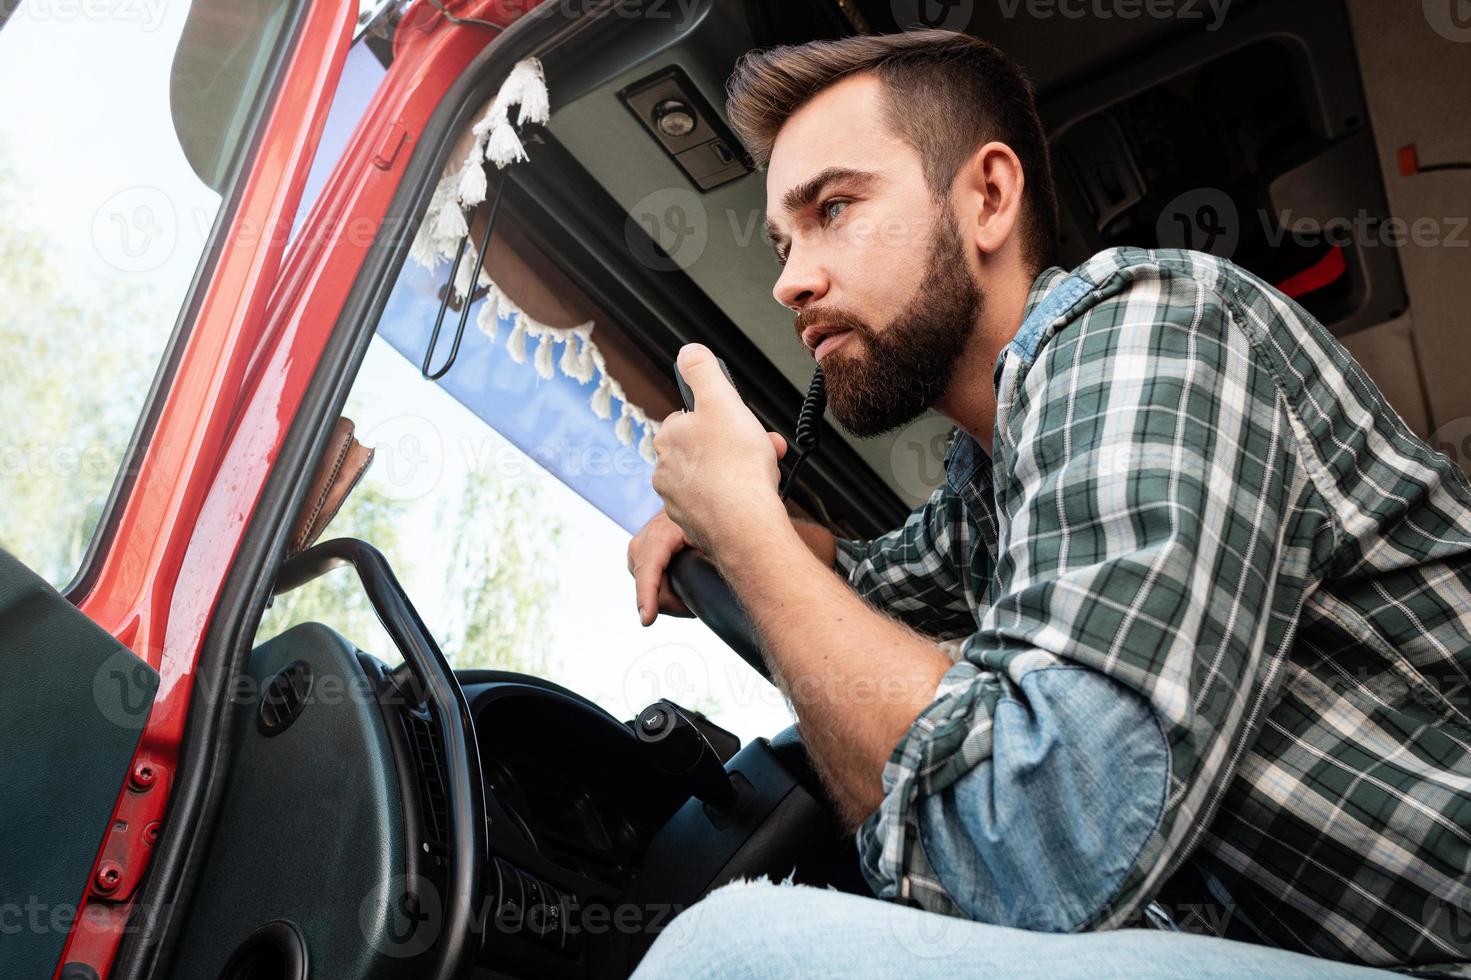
x: 857, y: 678
x: 819, y: 541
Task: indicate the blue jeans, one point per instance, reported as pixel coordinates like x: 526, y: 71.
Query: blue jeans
x: 766, y: 931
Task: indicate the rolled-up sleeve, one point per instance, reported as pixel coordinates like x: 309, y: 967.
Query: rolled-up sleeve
x: 1144, y: 595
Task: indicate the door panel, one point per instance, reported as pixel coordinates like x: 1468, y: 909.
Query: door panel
x: 72, y: 707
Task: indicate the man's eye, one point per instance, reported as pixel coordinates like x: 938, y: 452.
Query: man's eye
x: 831, y: 209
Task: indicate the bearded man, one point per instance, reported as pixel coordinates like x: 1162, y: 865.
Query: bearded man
x: 1214, y: 597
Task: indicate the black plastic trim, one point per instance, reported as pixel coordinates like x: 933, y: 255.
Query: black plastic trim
x: 468, y: 845
x: 278, y: 935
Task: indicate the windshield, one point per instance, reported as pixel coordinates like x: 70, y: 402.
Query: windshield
x: 119, y: 125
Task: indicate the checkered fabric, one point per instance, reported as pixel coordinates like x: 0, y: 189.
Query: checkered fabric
x: 1197, y: 492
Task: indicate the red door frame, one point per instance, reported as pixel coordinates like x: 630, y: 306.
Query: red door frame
x: 264, y: 321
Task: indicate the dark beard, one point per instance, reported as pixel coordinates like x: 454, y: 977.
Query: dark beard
x: 881, y: 380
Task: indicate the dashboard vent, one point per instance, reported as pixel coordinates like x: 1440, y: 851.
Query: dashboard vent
x: 428, y: 752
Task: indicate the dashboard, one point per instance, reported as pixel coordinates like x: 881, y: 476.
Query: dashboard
x: 343, y: 831
x: 595, y: 846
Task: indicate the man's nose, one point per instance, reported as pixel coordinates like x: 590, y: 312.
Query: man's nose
x: 802, y: 282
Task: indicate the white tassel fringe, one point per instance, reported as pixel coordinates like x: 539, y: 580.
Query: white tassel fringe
x: 465, y: 187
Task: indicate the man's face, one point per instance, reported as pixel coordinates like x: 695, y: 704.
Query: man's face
x: 875, y: 268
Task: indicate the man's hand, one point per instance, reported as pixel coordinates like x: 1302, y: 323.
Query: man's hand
x: 652, y: 548
x: 649, y: 554
x: 717, y: 471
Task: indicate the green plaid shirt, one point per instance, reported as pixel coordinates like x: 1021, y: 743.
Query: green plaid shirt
x: 1198, y: 494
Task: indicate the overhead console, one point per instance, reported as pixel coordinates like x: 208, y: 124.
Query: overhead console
x: 1250, y: 141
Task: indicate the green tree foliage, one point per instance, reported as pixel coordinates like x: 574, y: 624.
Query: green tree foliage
x: 500, y: 566
x: 486, y: 558
x: 490, y: 549
x: 79, y: 357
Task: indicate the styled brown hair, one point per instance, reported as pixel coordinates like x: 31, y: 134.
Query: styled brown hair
x: 946, y: 94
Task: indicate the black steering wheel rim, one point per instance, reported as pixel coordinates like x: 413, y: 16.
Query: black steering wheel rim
x: 699, y: 585
x: 457, y: 942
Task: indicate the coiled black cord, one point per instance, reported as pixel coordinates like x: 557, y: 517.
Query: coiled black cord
x: 809, y: 424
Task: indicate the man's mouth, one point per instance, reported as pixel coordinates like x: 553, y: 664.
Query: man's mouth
x: 828, y: 342
x: 823, y: 337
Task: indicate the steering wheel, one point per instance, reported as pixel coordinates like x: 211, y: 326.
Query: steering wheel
x: 697, y: 582
x: 434, y: 680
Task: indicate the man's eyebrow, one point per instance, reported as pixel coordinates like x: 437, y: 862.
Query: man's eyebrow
x: 804, y: 194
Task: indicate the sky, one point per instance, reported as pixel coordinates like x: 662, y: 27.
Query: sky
x: 95, y: 150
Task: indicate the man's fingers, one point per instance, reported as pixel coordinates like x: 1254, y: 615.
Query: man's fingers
x: 778, y: 443
x: 701, y: 371
x: 670, y: 603
x: 647, y: 578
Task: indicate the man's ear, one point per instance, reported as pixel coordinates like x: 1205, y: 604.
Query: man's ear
x: 988, y: 197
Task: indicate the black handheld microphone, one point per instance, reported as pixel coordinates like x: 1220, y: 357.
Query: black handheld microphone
x: 809, y: 419
x: 689, y: 396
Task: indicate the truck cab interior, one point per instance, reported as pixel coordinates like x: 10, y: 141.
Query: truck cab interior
x: 437, y: 819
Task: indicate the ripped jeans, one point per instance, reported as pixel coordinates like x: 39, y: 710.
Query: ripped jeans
x: 747, y: 931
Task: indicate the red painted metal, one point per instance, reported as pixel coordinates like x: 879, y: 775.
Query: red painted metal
x: 260, y: 332
x: 126, y: 849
